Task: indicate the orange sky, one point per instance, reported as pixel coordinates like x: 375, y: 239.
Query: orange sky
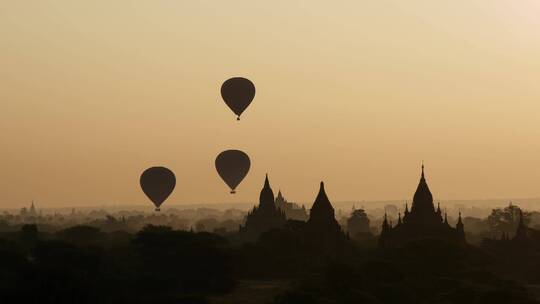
x: 355, y: 93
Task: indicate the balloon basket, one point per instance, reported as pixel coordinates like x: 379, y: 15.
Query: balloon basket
x: 233, y: 192
x: 157, y: 209
x: 238, y: 118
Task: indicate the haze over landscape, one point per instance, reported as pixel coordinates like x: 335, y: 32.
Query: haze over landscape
x: 353, y: 93
x: 278, y: 152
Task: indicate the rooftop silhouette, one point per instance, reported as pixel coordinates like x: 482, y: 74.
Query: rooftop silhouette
x: 423, y: 221
x: 265, y: 216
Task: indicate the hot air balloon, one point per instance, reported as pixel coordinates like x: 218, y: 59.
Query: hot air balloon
x: 158, y: 183
x: 238, y: 93
x: 232, y: 166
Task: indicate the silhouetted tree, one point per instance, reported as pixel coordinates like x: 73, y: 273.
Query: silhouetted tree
x: 62, y: 273
x: 207, y: 224
x: 358, y: 224
x: 506, y: 220
x: 29, y: 234
x: 82, y: 235
x: 182, y: 261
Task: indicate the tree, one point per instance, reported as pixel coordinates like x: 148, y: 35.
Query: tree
x: 358, y: 223
x: 206, y: 224
x: 506, y: 220
x: 181, y: 261
x: 81, y: 235
x: 29, y: 234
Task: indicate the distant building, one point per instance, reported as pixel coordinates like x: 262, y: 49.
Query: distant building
x: 322, y: 223
x: 292, y: 210
x: 264, y: 217
x: 423, y: 221
x: 522, y: 232
x: 29, y: 213
x: 32, y: 211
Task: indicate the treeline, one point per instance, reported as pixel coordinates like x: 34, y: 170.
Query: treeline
x: 158, y: 264
x: 84, y: 265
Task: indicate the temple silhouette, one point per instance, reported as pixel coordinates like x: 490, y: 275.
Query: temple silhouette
x: 322, y: 231
x: 421, y: 222
x: 265, y: 216
x: 292, y: 210
x: 322, y: 218
x: 321, y: 225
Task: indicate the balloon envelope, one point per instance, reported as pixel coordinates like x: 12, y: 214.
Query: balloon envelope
x: 158, y: 183
x: 232, y: 166
x: 238, y: 93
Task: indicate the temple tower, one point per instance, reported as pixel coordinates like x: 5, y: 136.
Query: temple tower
x: 265, y: 216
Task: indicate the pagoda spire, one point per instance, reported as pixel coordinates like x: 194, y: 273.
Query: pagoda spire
x: 266, y: 198
x: 423, y: 199
x: 439, y: 212
x: 385, y: 229
x: 322, y: 208
x: 33, y: 209
x: 280, y: 199
x: 521, y: 231
x: 385, y: 225
x: 322, y: 215
x: 459, y: 228
x: 266, y: 182
x: 406, y: 213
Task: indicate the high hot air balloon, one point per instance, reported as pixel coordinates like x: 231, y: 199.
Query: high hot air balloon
x: 158, y: 183
x: 238, y: 93
x: 232, y: 166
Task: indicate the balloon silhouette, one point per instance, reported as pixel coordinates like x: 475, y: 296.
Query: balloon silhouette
x: 158, y: 183
x: 238, y: 93
x: 232, y: 166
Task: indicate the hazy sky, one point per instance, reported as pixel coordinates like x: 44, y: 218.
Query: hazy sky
x: 355, y: 93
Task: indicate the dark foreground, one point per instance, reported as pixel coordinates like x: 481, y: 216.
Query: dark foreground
x: 161, y: 265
